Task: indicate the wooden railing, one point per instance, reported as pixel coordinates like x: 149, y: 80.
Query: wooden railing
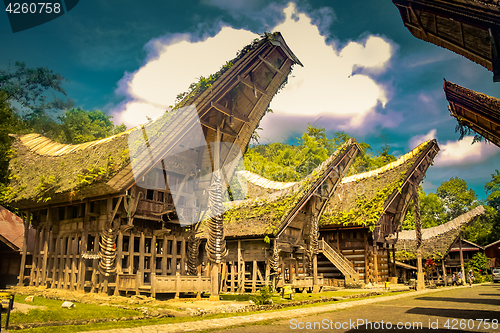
x: 165, y: 284
x: 339, y: 260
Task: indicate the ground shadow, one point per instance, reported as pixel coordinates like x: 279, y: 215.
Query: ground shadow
x: 461, y: 300
x: 425, y: 329
x: 455, y: 313
x: 496, y: 295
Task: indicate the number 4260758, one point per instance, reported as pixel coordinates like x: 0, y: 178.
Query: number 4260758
x: 33, y: 8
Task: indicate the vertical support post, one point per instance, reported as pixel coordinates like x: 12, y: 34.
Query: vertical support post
x: 119, y: 251
x: 316, y: 287
x: 62, y: 262
x: 461, y: 259
x: 141, y: 259
x: 233, y: 275
x: 74, y: 261
x: 268, y: 272
x: 41, y: 255
x: 48, y: 236
x: 174, y: 256
x: 164, y: 259
x: 393, y: 250
x: 254, y: 276
x: 85, y: 235
x: 67, y: 262
x: 367, y: 267
x: 240, y: 279
x: 183, y: 256
x: 34, y: 258
x: 95, y: 263
x: 418, y: 232
x: 131, y: 253
x: 153, y: 257
x: 444, y: 273
x: 26, y: 223
x: 375, y: 261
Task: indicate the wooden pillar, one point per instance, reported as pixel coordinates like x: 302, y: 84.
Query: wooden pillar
x: 164, y: 259
x: 461, y: 259
x: 445, y: 279
x: 26, y: 223
x: 62, y: 262
x: 153, y: 255
x: 47, y: 238
x: 41, y: 255
x: 67, y: 262
x: 375, y: 261
x: 234, y: 272
x: 95, y: 263
x: 34, y: 258
x: 418, y: 233
x: 254, y: 276
x: 268, y: 273
x: 174, y: 256
x: 74, y: 262
x: 393, y: 250
x: 50, y: 262
x: 367, y: 267
x: 55, y: 262
x: 131, y: 253
x: 183, y: 256
x: 119, y: 255
x: 85, y: 235
x: 240, y: 269
x: 141, y: 259
x: 316, y: 287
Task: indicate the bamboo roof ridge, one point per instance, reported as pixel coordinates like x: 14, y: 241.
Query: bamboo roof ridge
x: 45, y: 172
x: 270, y: 214
x: 436, y: 241
x: 478, y: 111
x: 363, y: 198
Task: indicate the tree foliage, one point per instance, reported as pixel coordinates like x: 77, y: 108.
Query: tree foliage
x: 286, y: 162
x: 457, y: 197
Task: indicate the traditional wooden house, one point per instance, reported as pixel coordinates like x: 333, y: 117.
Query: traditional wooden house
x: 273, y: 237
x: 442, y: 243
x: 11, y: 244
x: 362, y: 219
x: 357, y: 223
x: 119, y: 213
x: 479, y: 112
x: 470, y: 28
x: 492, y: 251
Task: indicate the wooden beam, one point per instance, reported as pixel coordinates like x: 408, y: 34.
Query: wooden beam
x: 26, y: 223
x: 269, y: 65
x: 228, y: 112
x: 227, y: 130
x: 251, y: 85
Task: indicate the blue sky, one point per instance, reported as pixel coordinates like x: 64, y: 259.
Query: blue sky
x: 363, y: 73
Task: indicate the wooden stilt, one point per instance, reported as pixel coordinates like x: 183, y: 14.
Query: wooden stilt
x: 183, y: 256
x: 95, y: 263
x: 34, y: 258
x: 26, y: 222
x: 62, y: 262
x: 254, y: 276
x: 375, y: 262
x: 74, y: 262
x: 141, y: 259
x: 240, y: 270
x: 82, y: 268
x: 131, y: 253
x: 164, y: 259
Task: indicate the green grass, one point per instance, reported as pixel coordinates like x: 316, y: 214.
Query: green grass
x: 296, y: 297
x: 96, y: 311
x: 54, y: 312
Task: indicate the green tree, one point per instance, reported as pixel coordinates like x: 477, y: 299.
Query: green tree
x: 80, y: 126
x: 432, y: 212
x: 457, y: 197
x: 28, y: 90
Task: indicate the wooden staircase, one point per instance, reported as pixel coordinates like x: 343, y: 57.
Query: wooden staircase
x: 339, y: 261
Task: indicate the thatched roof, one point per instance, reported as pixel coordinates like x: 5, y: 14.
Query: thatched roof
x: 470, y: 28
x: 436, y: 241
x: 363, y: 198
x: 258, y: 186
x: 44, y: 172
x: 270, y: 214
x: 477, y: 111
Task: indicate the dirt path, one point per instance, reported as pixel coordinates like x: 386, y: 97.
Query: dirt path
x: 242, y: 320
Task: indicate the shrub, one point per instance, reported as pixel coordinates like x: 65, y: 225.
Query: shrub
x: 264, y: 296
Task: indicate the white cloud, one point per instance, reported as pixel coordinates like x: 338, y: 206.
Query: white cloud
x: 173, y: 64
x: 463, y: 152
x: 418, y: 139
x: 325, y: 86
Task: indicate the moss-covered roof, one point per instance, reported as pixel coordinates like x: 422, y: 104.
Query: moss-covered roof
x: 44, y: 172
x: 436, y: 241
x: 362, y: 197
x: 268, y: 215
